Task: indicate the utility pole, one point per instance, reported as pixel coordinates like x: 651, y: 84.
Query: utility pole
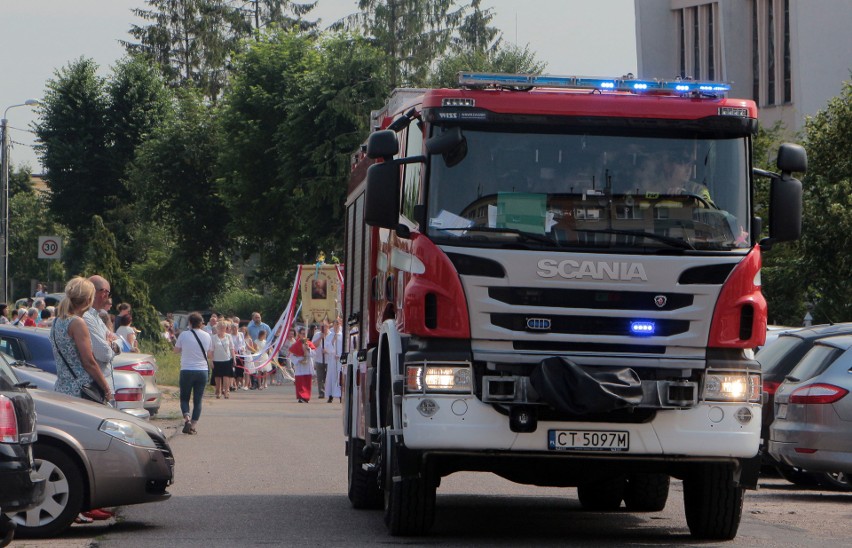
x: 4, y: 201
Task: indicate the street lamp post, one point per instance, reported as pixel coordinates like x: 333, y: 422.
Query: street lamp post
x: 4, y: 201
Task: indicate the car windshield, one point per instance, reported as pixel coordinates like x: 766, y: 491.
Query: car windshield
x: 6, y: 371
x: 636, y: 193
x: 773, y: 355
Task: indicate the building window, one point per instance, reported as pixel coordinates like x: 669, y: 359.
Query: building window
x: 788, y: 84
x: 699, y: 41
x: 771, y: 63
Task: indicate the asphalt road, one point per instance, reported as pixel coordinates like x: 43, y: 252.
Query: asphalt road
x: 265, y: 470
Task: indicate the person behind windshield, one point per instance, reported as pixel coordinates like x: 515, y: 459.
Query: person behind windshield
x: 677, y: 175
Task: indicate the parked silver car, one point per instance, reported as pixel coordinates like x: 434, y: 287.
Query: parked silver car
x: 128, y: 387
x: 93, y: 456
x: 146, y: 366
x: 31, y: 345
x: 813, y: 410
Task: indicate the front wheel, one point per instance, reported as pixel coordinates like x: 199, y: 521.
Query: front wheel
x: 713, y: 502
x: 64, y: 498
x: 409, y: 487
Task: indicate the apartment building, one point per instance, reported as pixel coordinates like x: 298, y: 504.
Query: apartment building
x: 790, y: 56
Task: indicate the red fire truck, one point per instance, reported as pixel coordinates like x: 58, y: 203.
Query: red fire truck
x: 557, y: 279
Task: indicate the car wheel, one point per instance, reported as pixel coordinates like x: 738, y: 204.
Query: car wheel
x: 797, y: 476
x: 64, y: 495
x: 647, y: 492
x: 836, y: 481
x: 712, y: 502
x: 604, y: 496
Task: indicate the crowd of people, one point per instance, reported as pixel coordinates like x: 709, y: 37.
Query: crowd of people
x: 242, y: 360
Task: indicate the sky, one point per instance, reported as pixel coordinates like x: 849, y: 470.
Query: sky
x: 39, y: 37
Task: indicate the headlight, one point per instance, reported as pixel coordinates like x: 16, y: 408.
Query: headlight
x: 438, y: 378
x: 730, y: 386
x: 127, y: 432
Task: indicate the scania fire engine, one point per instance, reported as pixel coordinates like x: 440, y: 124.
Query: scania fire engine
x: 557, y: 279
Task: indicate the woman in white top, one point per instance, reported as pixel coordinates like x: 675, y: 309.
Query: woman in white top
x: 223, y: 360
x: 127, y: 333
x: 194, y: 346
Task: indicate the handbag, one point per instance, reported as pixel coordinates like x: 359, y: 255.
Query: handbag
x: 91, y: 391
x: 203, y: 353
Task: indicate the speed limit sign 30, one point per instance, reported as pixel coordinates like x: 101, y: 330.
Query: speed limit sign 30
x: 49, y: 247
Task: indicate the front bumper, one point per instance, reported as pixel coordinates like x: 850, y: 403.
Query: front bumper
x: 128, y: 474
x: 464, y: 423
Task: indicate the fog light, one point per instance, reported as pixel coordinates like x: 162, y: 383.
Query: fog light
x: 522, y: 419
x: 428, y: 408
x: 743, y: 415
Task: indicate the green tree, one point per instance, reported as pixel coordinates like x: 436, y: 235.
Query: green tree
x: 29, y: 218
x: 827, y: 221
x: 474, y: 33
x: 73, y: 134
x: 297, y: 108
x: 138, y: 102
x: 509, y: 58
x: 101, y: 259
x: 191, y: 40
x: 173, y: 179
x: 412, y: 33
x: 283, y: 14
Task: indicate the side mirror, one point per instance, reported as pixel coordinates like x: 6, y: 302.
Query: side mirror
x: 382, y: 144
x: 382, y: 195
x: 785, y: 208
x: 445, y: 141
x: 792, y: 158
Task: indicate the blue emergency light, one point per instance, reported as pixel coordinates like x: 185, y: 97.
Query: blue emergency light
x: 642, y: 327
x: 624, y: 83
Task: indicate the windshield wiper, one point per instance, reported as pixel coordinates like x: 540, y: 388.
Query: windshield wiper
x: 674, y: 242
x: 524, y: 235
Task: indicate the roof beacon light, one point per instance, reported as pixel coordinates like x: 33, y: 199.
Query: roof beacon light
x: 625, y: 83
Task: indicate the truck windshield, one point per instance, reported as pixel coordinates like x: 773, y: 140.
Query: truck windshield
x: 630, y: 193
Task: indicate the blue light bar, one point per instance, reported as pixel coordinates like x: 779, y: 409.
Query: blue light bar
x: 642, y: 328
x: 624, y: 83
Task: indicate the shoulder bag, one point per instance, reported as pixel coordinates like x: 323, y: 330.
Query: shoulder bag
x: 203, y: 353
x: 91, y: 391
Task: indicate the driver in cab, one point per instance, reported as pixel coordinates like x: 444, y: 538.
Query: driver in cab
x: 678, y: 167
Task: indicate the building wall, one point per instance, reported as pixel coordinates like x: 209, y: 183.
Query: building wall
x: 820, y: 49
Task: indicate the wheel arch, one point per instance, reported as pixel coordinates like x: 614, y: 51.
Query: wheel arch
x: 61, y: 441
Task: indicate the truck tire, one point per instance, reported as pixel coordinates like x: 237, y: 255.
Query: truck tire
x: 647, y: 492
x: 409, y: 500
x: 604, y: 496
x: 713, y: 502
x: 364, y: 490
x: 64, y: 498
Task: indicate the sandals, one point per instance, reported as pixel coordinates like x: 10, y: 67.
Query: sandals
x: 187, y: 427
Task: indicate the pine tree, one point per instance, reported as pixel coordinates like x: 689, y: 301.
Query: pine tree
x: 101, y: 259
x: 191, y: 40
x: 412, y: 33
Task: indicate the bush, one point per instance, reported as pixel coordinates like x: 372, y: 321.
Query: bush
x: 238, y: 302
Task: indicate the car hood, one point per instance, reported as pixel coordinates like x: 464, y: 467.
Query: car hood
x: 80, y: 419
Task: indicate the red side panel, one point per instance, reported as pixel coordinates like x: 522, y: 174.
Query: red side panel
x: 437, y: 293
x: 739, y: 292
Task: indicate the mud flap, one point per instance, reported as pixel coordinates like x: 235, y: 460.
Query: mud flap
x: 572, y: 388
